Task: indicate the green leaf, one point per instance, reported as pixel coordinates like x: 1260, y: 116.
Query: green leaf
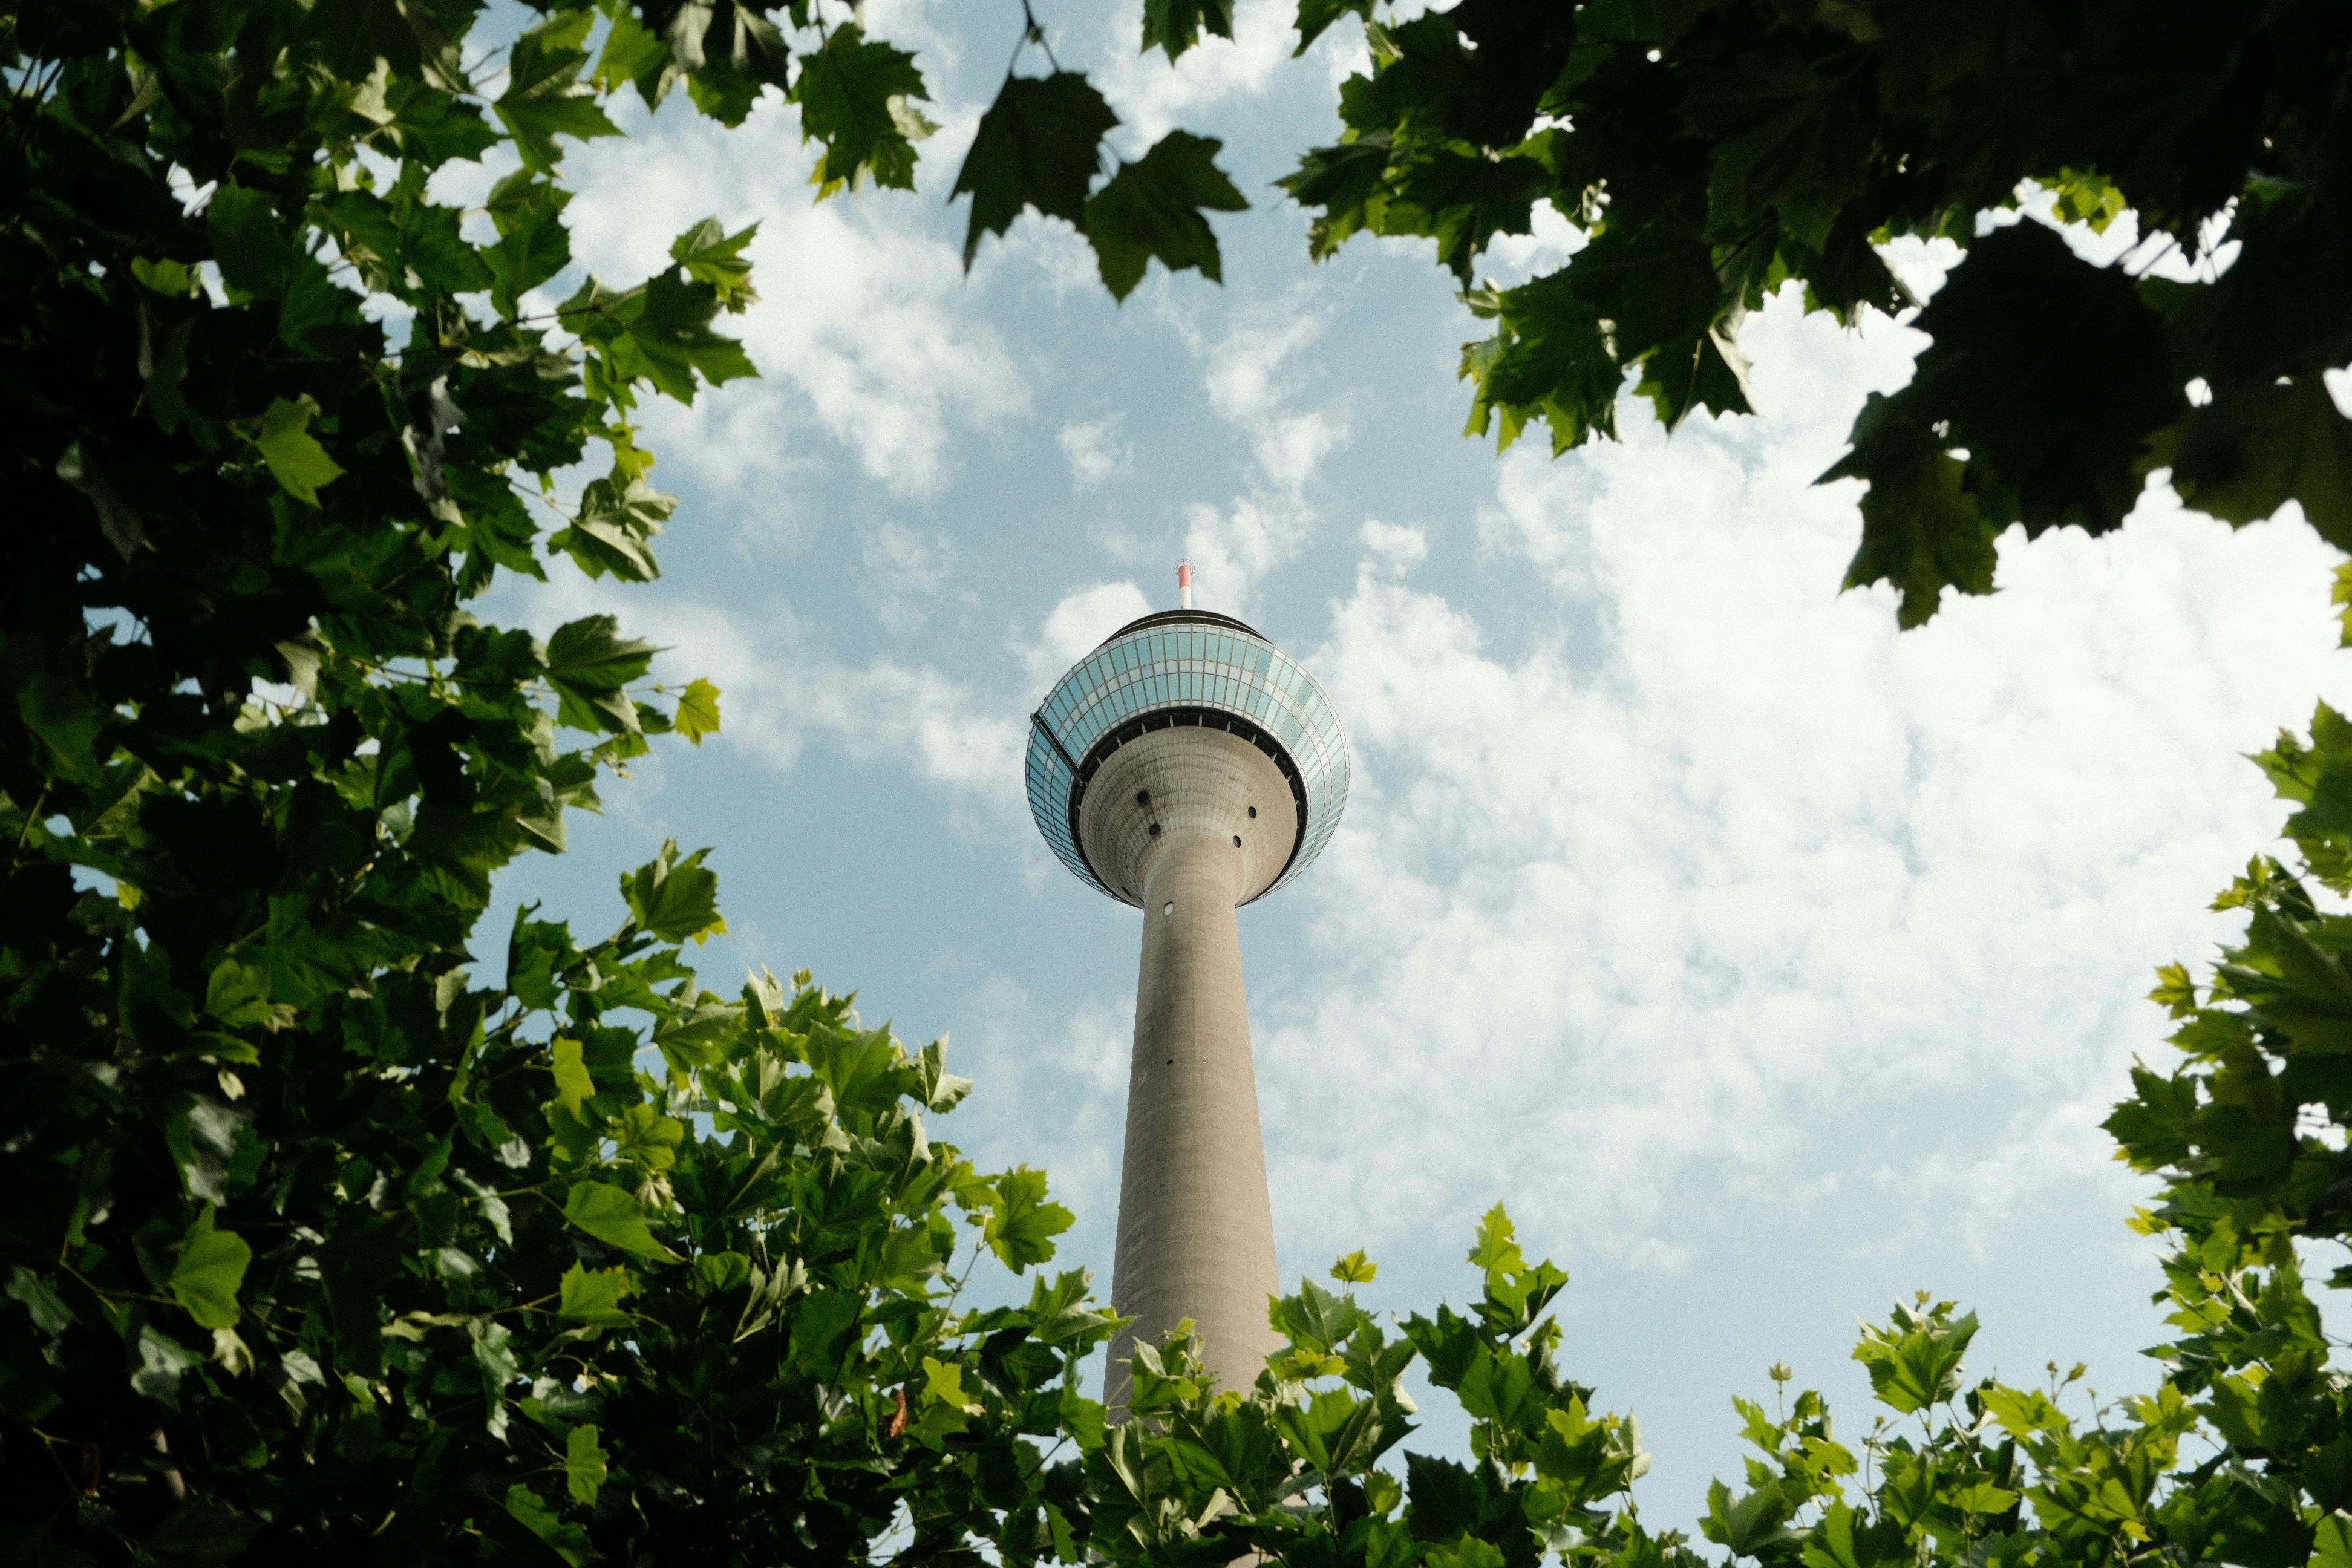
x: 1152, y: 208
x: 1176, y: 26
x: 572, y: 1084
x: 2332, y: 1544
x: 1920, y: 1363
x: 2084, y: 197
x: 544, y: 98
x: 588, y: 662
x: 852, y: 92
x: 569, y: 1541
x: 618, y: 519
x: 1314, y: 1318
x: 583, y: 1464
x: 210, y: 1267
x: 198, y: 1531
x: 1847, y: 1539
x: 2174, y: 992
x: 711, y: 254
x: 1498, y: 1388
x: 168, y: 278
x: 534, y: 242
x: 1786, y: 140
x: 613, y: 1217
x: 697, y: 711
x: 1496, y: 1253
x: 237, y: 996
x: 1753, y: 1526
x: 59, y: 711
x: 162, y: 1363
x: 943, y: 1385
x: 1039, y: 145
x: 1921, y: 530
x: 1549, y: 359
x: 634, y: 56
x: 647, y: 1138
x: 2053, y: 372
x: 2253, y: 449
x: 594, y: 1296
x: 675, y: 900
x: 251, y: 247
x: 295, y: 460
x: 1021, y: 1223
x: 659, y: 334
x: 48, y: 1310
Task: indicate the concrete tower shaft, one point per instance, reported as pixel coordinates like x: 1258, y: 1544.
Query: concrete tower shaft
x: 1198, y: 820
x: 1187, y: 766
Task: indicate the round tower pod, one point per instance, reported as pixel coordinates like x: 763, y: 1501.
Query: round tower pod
x: 1187, y: 766
x: 1195, y: 669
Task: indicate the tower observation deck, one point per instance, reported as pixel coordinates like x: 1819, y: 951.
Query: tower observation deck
x: 1186, y: 767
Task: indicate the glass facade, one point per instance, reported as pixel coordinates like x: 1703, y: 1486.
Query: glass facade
x: 1166, y: 661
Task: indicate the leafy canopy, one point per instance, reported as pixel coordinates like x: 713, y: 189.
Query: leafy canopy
x: 317, y: 1246
x: 1709, y: 152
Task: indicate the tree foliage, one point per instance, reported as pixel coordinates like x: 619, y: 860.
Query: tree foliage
x: 1709, y: 152
x: 317, y: 1245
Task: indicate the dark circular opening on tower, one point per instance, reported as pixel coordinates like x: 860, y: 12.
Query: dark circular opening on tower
x: 1155, y: 830
x: 1252, y: 813
x: 1143, y: 797
x: 1237, y: 840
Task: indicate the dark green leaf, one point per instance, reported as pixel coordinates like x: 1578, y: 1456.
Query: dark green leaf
x: 567, y: 1540
x: 673, y: 900
x: 1152, y: 208
x: 2251, y: 451
x: 852, y: 92
x: 252, y: 248
x: 1039, y: 145
x: 1921, y: 529
x: 1176, y: 26
x: 613, y: 1217
x: 544, y: 98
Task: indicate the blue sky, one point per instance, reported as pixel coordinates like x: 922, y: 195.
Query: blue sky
x: 1768, y: 965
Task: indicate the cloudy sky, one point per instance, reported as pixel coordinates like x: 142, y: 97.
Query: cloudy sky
x: 1768, y: 964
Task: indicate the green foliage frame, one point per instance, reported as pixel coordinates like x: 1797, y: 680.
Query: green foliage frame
x: 316, y: 1245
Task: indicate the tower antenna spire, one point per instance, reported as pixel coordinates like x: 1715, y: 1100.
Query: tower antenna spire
x: 1184, y: 584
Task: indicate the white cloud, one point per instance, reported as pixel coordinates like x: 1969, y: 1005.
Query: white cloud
x: 1768, y: 880
x: 903, y: 567
x: 1232, y: 547
x: 1400, y: 547
x: 1098, y: 451
x: 1152, y: 99
x: 1077, y: 624
x: 779, y: 693
x: 1254, y: 385
x: 1245, y: 374
x: 1541, y: 514
x: 1292, y: 446
x: 1549, y: 241
x: 864, y: 328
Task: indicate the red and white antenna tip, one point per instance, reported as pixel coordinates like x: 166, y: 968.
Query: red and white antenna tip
x: 1185, y: 583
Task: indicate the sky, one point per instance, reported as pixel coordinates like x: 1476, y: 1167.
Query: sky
x: 1768, y: 964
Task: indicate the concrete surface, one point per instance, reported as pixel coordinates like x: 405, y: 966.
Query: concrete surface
x: 1195, y: 1229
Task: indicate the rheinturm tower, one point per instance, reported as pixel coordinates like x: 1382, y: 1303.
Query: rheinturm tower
x: 1187, y: 767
